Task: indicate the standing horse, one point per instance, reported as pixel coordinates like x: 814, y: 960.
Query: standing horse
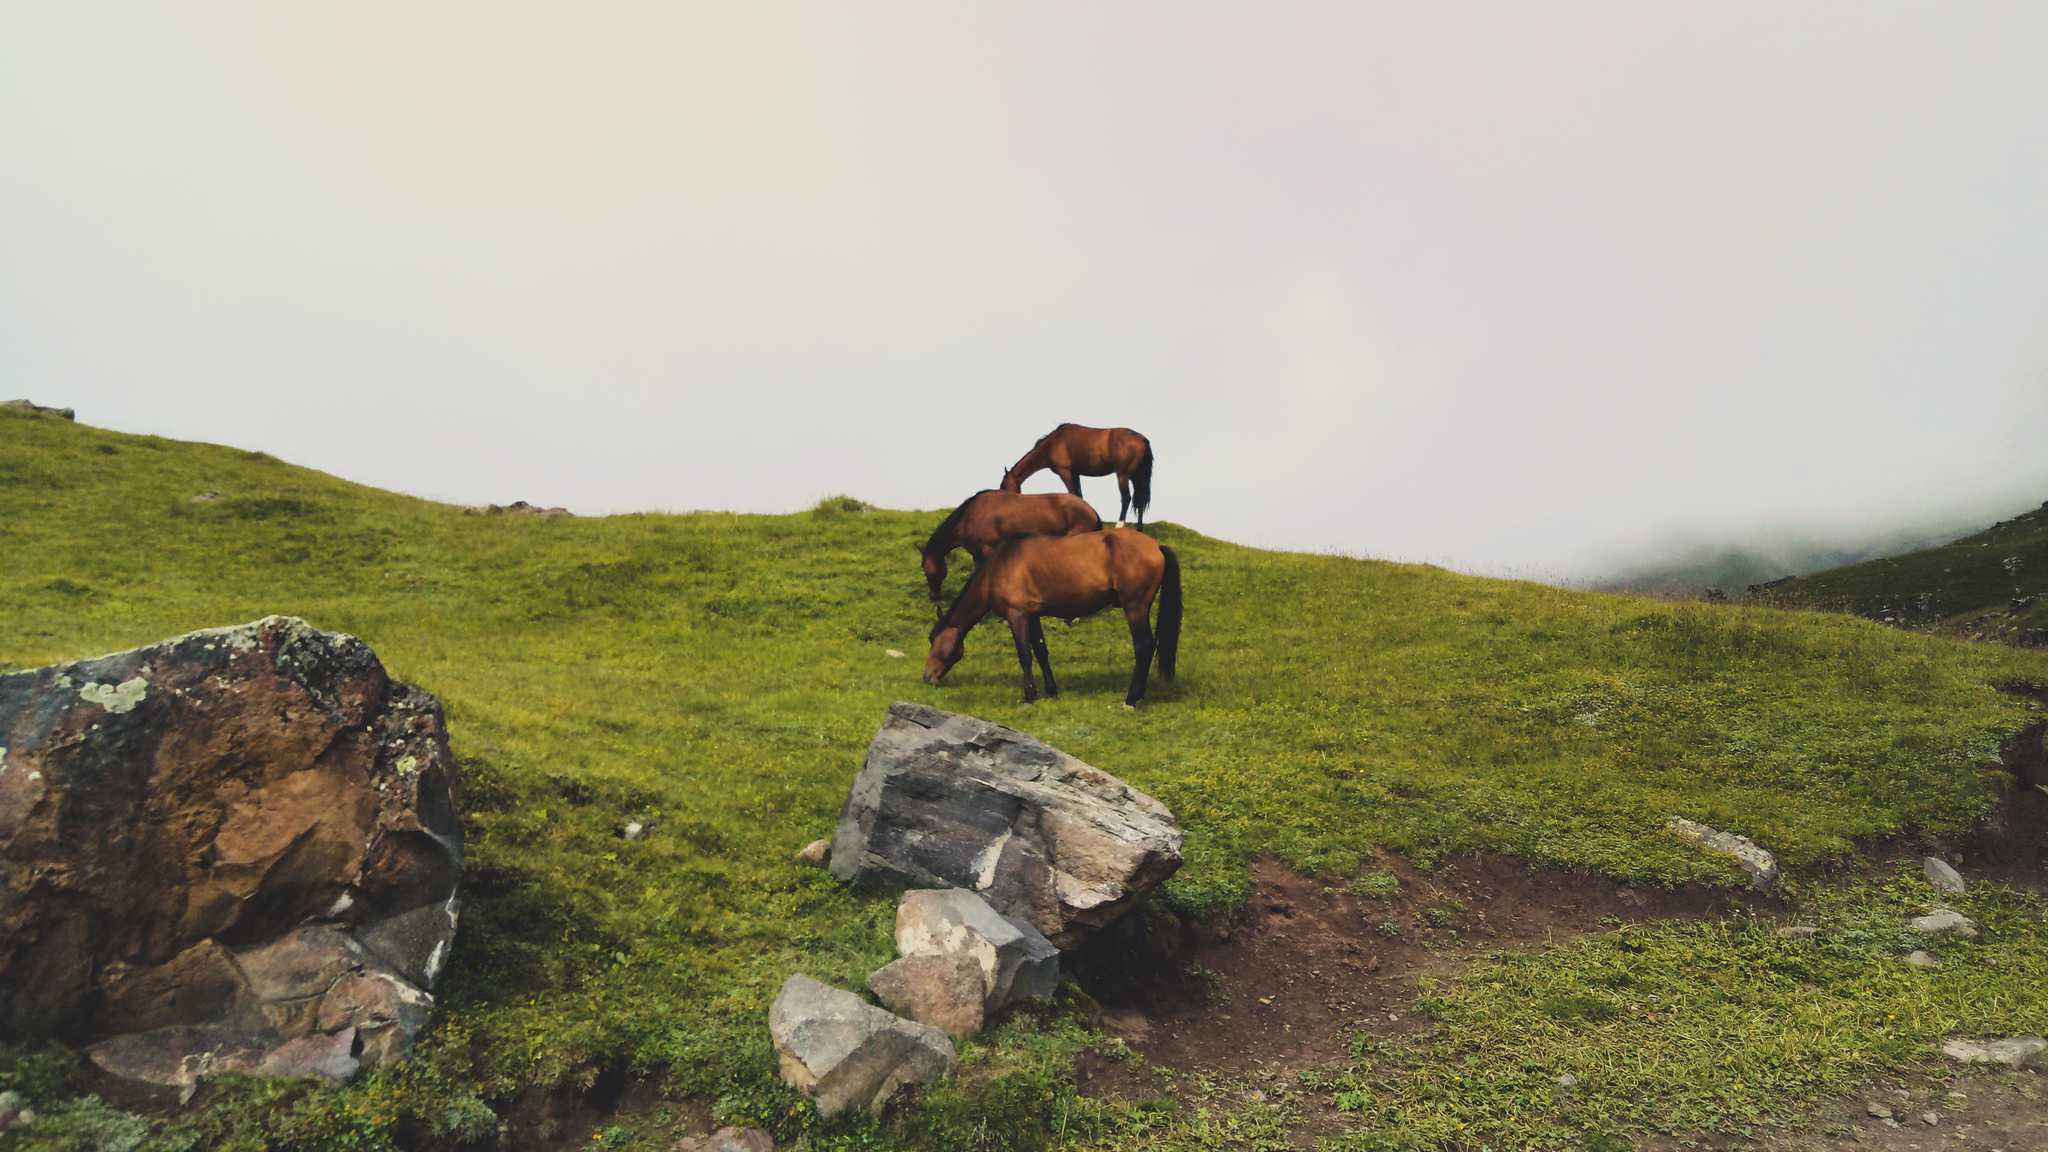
x: 1072, y: 452
x: 984, y: 520
x: 1068, y: 576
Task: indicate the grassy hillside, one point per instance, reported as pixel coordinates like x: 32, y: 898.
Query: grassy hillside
x: 1986, y: 586
x: 718, y: 677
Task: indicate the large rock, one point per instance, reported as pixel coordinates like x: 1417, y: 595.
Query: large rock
x: 2012, y: 1051
x: 233, y: 850
x: 846, y: 1053
x: 946, y: 800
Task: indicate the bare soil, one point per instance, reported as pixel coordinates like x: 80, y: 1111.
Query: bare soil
x: 1304, y: 964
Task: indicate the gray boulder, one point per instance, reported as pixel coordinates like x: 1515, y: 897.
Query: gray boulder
x: 945, y: 800
x: 1943, y: 877
x: 1759, y: 863
x: 1016, y: 962
x: 844, y: 1052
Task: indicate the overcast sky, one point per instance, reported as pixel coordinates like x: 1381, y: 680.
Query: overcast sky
x: 1514, y: 287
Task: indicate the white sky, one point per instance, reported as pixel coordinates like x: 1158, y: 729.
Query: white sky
x: 1513, y: 287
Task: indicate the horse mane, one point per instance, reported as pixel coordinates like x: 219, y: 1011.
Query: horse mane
x: 946, y: 617
x: 951, y: 523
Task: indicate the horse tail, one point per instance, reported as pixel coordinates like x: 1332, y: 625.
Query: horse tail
x: 1169, y: 613
x: 1141, y: 483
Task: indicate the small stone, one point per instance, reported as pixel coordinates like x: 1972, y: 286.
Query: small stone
x: 1758, y: 862
x: 892, y: 654
x: 946, y: 992
x: 815, y: 854
x: 1798, y: 931
x: 1930, y: 1118
x: 1944, y: 922
x: 1889, y: 1122
x: 1919, y: 959
x: 1943, y: 877
x: 633, y: 829
x: 1901, y: 1094
x: 1878, y: 1110
x: 207, y: 498
x: 24, y: 1118
x: 1567, y: 1081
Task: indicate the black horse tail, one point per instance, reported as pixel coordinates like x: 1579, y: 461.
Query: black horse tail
x: 1169, y: 613
x: 1141, y: 483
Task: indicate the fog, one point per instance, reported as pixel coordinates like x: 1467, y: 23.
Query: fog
x: 1550, y: 291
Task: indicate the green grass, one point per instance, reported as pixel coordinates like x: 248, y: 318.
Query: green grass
x: 1716, y: 1027
x: 1986, y: 586
x: 718, y: 676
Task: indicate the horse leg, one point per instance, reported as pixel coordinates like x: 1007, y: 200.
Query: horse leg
x: 1020, y: 629
x: 1070, y: 478
x: 1044, y: 658
x: 1142, y: 646
x: 1123, y: 489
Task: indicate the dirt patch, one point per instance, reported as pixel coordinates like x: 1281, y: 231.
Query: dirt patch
x: 1278, y: 988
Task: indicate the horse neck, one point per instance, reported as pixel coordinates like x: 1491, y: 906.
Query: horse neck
x: 1032, y: 461
x: 972, y: 605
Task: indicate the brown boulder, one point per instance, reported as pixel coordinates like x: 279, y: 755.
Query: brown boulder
x: 233, y: 850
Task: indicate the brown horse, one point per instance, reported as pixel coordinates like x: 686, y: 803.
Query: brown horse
x: 1068, y: 577
x: 984, y: 520
x: 1072, y: 452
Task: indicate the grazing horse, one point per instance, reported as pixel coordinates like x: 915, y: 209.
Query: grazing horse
x: 1068, y: 576
x: 984, y: 520
x: 1072, y: 452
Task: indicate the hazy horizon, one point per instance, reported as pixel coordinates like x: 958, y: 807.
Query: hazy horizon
x: 1510, y: 290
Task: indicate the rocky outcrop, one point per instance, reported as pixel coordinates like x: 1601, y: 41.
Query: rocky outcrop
x: 945, y: 800
x: 846, y: 1053
x: 233, y: 850
x: 520, y: 508
x: 32, y: 406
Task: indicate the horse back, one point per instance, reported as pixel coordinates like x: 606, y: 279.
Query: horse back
x: 1078, y: 574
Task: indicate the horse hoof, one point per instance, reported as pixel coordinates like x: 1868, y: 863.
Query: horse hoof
x: 1130, y: 707
x: 1119, y: 523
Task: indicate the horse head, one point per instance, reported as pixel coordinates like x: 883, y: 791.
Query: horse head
x: 949, y: 645
x: 934, y: 570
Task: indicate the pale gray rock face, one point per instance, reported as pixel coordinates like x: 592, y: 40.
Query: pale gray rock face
x: 846, y: 1053
x: 257, y: 829
x: 945, y: 800
x: 2013, y: 1051
x: 946, y: 992
x: 1759, y: 863
x: 1017, y: 963
x: 1943, y: 877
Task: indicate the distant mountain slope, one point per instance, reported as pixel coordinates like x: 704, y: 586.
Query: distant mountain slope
x: 1985, y: 586
x: 1687, y: 573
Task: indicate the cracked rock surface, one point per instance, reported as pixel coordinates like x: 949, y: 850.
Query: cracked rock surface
x: 234, y: 850
x: 948, y: 801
